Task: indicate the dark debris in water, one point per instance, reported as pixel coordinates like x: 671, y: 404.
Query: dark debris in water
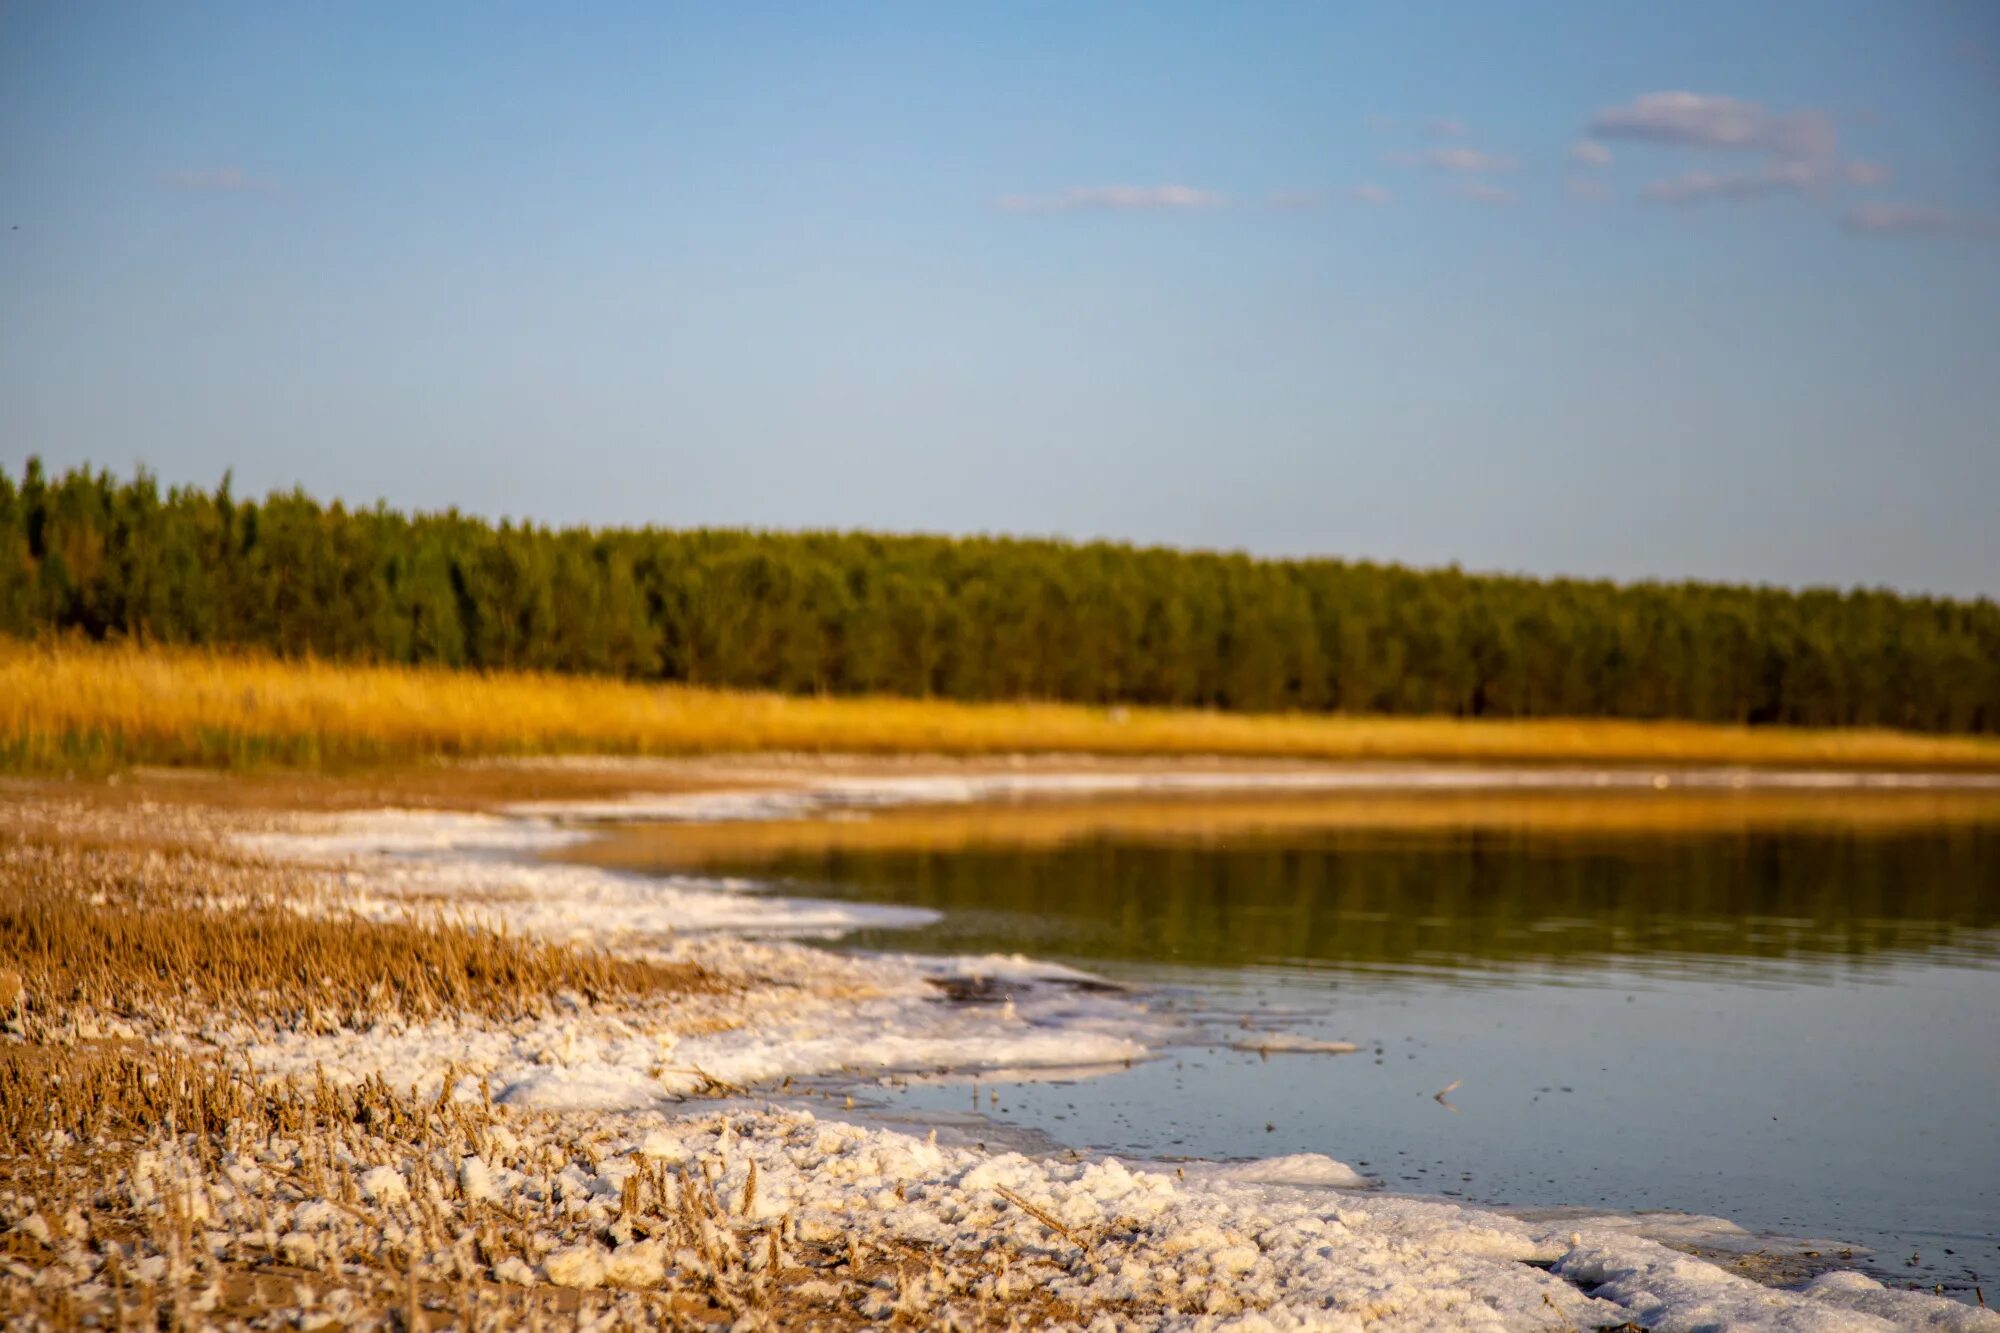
x: 996, y: 990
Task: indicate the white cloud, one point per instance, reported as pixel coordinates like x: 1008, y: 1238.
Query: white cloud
x: 1470, y: 161
x: 1481, y: 192
x: 1916, y: 220
x: 1372, y: 195
x: 1895, y: 219
x: 1778, y: 176
x: 1800, y: 149
x: 1445, y: 128
x: 1590, y: 153
x: 1711, y: 120
x: 1113, y: 199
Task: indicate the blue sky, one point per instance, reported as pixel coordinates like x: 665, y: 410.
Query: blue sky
x: 1703, y: 290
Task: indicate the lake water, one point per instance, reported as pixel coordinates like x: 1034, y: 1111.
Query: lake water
x: 1792, y: 1023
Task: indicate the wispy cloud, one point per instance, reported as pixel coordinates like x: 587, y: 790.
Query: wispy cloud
x: 1470, y: 161
x: 1712, y: 120
x: 1586, y: 189
x: 1694, y: 187
x: 1372, y: 195
x: 1800, y: 150
x: 1915, y: 220
x: 1590, y: 153
x: 1113, y: 199
x: 1445, y: 127
x: 214, y: 180
x: 1782, y: 176
x: 1483, y: 193
x: 1899, y: 219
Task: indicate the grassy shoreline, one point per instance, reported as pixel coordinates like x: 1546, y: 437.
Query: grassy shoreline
x: 69, y: 707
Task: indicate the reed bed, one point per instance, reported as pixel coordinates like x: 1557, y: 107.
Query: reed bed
x: 71, y: 707
x: 120, y: 932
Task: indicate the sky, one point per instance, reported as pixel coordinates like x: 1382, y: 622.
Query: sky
x: 1702, y: 290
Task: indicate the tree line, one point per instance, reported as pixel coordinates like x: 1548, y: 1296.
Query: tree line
x: 978, y: 618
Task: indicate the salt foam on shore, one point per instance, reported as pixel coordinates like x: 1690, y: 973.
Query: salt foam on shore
x: 1283, y: 1243
x: 809, y: 1012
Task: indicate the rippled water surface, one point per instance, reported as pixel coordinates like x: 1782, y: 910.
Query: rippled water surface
x: 1791, y: 1022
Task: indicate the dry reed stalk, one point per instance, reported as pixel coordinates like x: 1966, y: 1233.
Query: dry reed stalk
x: 128, y: 933
x: 1043, y: 1216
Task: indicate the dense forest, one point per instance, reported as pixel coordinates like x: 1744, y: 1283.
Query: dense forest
x: 972, y: 618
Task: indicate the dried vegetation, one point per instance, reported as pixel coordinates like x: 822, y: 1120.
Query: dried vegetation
x: 148, y: 1179
x: 70, y: 706
x: 127, y: 933
x: 162, y: 1190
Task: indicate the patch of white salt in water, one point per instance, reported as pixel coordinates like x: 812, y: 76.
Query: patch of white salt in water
x: 1301, y: 1168
x: 1282, y: 1243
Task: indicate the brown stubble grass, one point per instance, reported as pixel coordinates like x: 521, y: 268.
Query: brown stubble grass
x: 113, y: 911
x: 145, y: 931
x: 66, y: 706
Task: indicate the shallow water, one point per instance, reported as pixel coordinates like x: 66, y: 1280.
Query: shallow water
x: 1795, y: 1027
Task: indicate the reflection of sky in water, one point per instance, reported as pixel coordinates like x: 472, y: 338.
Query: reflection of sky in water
x: 1867, y: 1112
x: 1791, y: 1029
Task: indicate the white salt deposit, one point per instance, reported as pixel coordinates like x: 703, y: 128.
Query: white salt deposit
x: 1670, y: 1292
x: 385, y: 1184
x: 1304, y: 1168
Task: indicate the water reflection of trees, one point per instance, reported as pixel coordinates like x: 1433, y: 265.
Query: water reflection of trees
x: 1489, y: 898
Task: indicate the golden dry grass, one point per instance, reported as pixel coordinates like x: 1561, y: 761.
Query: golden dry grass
x: 109, y: 930
x: 110, y: 911
x: 65, y: 706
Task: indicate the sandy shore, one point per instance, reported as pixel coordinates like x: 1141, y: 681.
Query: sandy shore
x: 490, y: 1144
